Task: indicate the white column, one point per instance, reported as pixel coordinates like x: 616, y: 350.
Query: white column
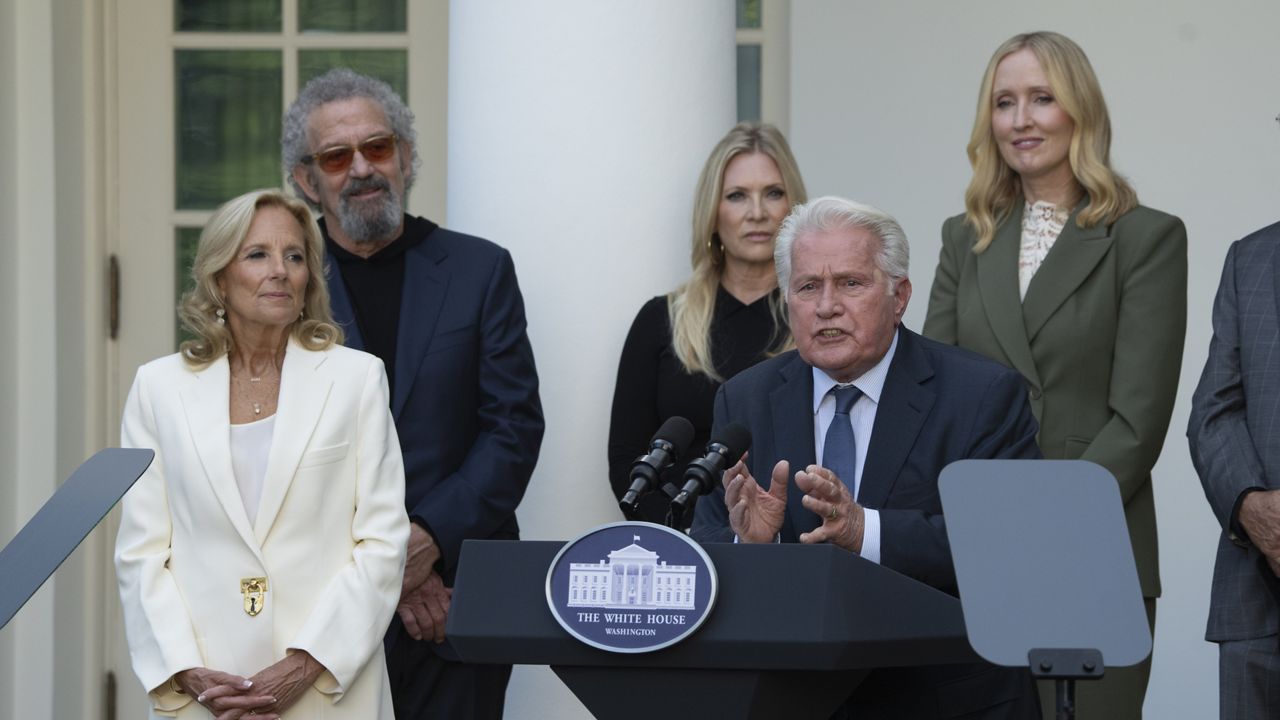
x: 29, y: 322
x: 577, y: 129
x: 9, y: 176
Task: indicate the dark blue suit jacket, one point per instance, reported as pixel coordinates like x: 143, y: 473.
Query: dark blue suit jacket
x: 465, y: 397
x: 939, y: 404
x: 1235, y: 430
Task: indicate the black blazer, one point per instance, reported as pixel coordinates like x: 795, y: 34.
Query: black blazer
x: 465, y: 396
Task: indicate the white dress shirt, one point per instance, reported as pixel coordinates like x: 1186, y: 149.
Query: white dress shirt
x: 862, y: 416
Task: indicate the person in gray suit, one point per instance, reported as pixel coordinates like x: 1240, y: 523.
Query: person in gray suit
x: 1235, y: 445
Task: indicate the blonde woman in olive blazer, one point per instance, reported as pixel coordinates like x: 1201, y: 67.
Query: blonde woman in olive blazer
x: 1098, y: 339
x: 1098, y: 334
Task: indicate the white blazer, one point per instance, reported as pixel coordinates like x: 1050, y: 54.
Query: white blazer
x: 330, y: 534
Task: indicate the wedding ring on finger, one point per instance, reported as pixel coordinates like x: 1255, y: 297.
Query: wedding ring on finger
x: 835, y: 512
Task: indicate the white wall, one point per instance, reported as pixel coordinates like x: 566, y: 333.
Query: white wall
x: 883, y: 97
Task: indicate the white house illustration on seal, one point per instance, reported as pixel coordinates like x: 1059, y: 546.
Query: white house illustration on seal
x: 632, y: 577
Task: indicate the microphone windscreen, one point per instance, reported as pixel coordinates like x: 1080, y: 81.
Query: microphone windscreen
x: 734, y: 437
x: 677, y: 431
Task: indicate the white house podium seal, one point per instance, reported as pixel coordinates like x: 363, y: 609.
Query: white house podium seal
x: 631, y: 587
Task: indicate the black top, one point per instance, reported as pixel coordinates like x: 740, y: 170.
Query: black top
x: 653, y: 385
x: 376, y: 286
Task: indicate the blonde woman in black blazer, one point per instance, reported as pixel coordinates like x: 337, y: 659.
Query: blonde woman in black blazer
x: 1055, y: 270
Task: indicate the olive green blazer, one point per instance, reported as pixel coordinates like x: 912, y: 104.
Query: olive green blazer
x: 1098, y: 339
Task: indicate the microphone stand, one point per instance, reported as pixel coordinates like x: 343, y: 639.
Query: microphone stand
x: 675, y: 513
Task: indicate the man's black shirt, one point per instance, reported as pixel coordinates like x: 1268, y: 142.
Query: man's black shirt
x: 375, y: 286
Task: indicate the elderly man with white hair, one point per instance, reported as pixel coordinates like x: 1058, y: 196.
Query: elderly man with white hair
x: 850, y: 431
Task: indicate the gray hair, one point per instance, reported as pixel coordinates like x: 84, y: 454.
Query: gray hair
x: 342, y: 84
x: 834, y: 213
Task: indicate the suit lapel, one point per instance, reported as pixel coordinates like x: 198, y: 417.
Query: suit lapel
x: 340, y: 303
x: 904, y: 405
x: 1075, y: 254
x: 303, y: 392
x: 792, y: 412
x: 206, y: 401
x: 998, y: 286
x: 425, y: 286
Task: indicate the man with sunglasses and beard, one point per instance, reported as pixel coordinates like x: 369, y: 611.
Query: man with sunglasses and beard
x: 444, y: 312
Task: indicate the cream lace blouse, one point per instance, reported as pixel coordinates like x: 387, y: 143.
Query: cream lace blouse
x: 1041, y: 224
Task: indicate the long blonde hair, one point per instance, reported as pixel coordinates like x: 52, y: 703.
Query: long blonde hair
x: 691, y: 306
x: 995, y: 187
x: 219, y: 242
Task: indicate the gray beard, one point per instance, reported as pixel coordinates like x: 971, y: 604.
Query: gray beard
x: 370, y: 221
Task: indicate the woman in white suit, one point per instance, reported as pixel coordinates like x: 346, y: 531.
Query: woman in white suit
x: 260, y: 557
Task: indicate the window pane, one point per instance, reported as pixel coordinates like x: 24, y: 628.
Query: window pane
x: 228, y: 124
x: 390, y: 66
x: 227, y: 16
x: 749, y: 13
x: 748, y: 82
x: 351, y: 15
x: 184, y: 253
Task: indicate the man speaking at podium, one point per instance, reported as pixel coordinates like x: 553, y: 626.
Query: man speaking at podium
x: 885, y: 409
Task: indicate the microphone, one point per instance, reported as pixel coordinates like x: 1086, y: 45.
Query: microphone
x: 703, y: 474
x: 667, y: 445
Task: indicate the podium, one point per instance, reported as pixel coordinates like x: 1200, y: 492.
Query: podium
x: 794, y: 630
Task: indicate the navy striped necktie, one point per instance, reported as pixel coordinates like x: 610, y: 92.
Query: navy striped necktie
x: 839, y: 451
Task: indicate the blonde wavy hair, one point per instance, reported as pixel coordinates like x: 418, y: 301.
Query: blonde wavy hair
x: 219, y: 242
x: 995, y: 188
x: 691, y: 306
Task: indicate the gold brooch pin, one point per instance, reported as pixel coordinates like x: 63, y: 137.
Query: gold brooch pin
x: 254, y: 590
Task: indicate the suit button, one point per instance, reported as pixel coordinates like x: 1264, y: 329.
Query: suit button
x: 1035, y: 392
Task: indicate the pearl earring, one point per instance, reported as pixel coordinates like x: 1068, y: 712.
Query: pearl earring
x: 222, y: 316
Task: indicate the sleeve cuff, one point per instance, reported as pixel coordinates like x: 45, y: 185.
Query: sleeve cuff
x: 422, y: 523
x: 166, y: 700
x: 1235, y: 531
x: 328, y: 684
x: 871, y: 535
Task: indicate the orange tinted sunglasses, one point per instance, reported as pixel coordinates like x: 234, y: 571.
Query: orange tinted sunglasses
x: 339, y: 157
